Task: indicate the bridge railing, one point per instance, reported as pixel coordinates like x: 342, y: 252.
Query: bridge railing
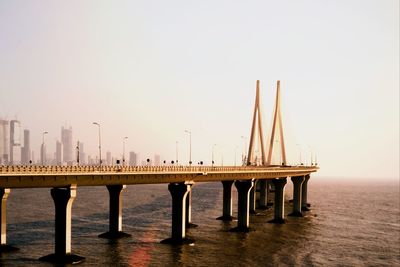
x: 131, y: 169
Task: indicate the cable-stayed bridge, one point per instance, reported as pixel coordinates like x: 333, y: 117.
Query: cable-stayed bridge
x: 257, y: 176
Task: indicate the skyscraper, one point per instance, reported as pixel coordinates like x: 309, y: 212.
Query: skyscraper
x: 133, y: 158
x: 66, y: 140
x: 109, y: 160
x: 43, y: 158
x: 82, y: 154
x: 26, y: 149
x: 15, y: 142
x: 59, y: 153
x: 4, y: 141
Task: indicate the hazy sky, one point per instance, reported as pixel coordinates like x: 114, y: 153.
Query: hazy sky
x: 151, y: 69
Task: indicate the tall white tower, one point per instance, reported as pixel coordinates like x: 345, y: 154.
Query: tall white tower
x: 4, y: 141
x: 66, y: 140
x: 15, y: 142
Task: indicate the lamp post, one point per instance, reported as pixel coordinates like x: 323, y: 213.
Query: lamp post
x: 212, y: 155
x: 98, y: 124
x: 77, y: 153
x: 123, y: 150
x: 43, y: 147
x: 190, y: 146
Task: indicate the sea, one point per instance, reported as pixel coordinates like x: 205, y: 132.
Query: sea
x: 351, y: 223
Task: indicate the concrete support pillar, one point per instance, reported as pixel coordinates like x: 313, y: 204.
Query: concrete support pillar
x: 279, y: 205
x: 243, y: 188
x: 253, y: 199
x: 304, y: 189
x: 115, y: 215
x: 4, y: 192
x: 179, y: 193
x: 226, y: 201
x: 263, y: 201
x: 63, y: 199
x: 297, y: 188
x: 189, y: 223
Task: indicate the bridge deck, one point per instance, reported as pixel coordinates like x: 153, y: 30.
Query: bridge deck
x: 59, y: 176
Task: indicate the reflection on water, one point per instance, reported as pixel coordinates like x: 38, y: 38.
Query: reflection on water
x: 348, y: 225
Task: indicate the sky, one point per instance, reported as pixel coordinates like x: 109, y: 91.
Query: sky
x: 149, y: 70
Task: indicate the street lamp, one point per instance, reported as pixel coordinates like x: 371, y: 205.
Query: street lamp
x: 43, y: 147
x: 98, y: 124
x: 77, y: 152
x: 212, y: 155
x: 123, y: 150
x: 190, y: 146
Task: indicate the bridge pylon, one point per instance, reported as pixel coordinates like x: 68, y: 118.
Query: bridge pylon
x: 257, y: 127
x: 277, y: 123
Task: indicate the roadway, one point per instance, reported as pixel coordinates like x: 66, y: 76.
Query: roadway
x: 62, y: 176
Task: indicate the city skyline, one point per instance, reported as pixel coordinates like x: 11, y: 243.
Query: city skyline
x: 24, y: 155
x: 150, y: 72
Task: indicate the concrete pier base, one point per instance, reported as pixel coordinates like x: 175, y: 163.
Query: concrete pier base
x: 253, y: 199
x: 179, y: 193
x: 115, y: 215
x: 4, y: 192
x: 263, y: 200
x: 297, y: 188
x: 243, y: 188
x: 226, y: 201
x: 279, y: 205
x: 189, y: 223
x: 304, y: 205
x: 63, y: 199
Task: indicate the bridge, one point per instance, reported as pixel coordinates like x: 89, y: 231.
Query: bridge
x: 258, y: 175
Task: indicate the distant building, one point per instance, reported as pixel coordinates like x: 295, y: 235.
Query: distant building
x: 109, y: 158
x: 26, y: 149
x: 50, y: 160
x: 33, y: 156
x: 43, y: 157
x: 90, y: 160
x: 4, y: 142
x: 157, y: 160
x: 15, y: 142
x: 66, y: 140
x: 82, y: 154
x: 133, y: 158
x: 59, y: 153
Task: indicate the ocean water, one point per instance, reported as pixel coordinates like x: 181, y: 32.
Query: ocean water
x: 350, y: 224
